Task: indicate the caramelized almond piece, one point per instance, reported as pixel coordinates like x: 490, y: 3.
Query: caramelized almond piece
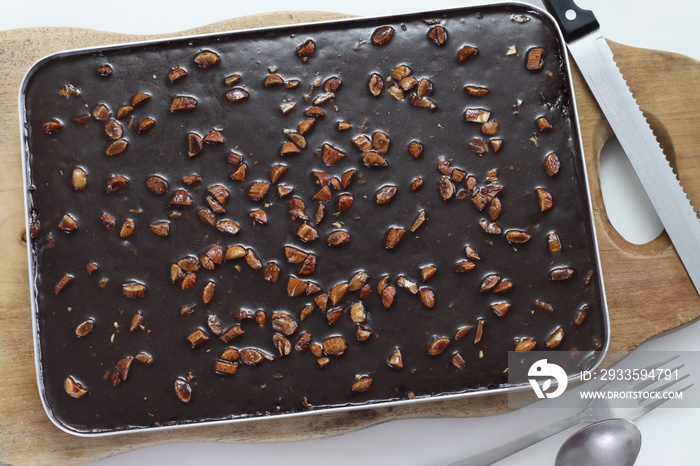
x: 489, y: 283
x: 458, y: 361
x: 133, y: 290
x: 427, y: 297
x: 535, y: 58
x: 466, y: 51
x: 117, y: 147
x: 464, y: 266
x: 183, y: 390
x: 180, y: 198
x: 420, y: 219
x: 331, y: 155
x: 462, y: 332
x: 373, y: 159
x: 195, y: 144
x: 526, y: 344
x: 555, y: 338
x: 388, y: 294
x: 206, y: 59
x: 393, y: 237
x: 476, y: 91
x: 375, y: 84
x: 161, y: 228
x: 395, y: 359
x: 544, y: 199
x: 74, y: 388
x: 338, y: 292
x: 561, y: 273
x: 307, y: 233
x: 551, y: 164
x: 228, y: 226
x: 306, y: 49
x: 176, y: 74
x: 258, y: 190
x: 501, y: 309
x: 382, y: 35
x: 380, y: 142
x: 517, y: 236
x: 427, y: 272
x: 225, y: 367
x: 543, y: 124
x: 85, y: 328
x: 438, y: 345
x: 581, y: 315
x: 52, y: 127
x: 334, y: 346
x: 229, y: 335
x: 181, y: 103
x: 362, y: 384
x: 438, y: 35
x: 385, y: 194
x: 237, y: 94
x: 477, y: 115
x: 338, y: 238
x: 68, y: 223
x: 157, y: 184
x: 296, y: 287
x: 198, y: 338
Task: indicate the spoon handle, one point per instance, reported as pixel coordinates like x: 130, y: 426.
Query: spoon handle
x: 503, y: 451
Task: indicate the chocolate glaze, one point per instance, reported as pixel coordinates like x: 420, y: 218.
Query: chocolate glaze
x: 255, y: 129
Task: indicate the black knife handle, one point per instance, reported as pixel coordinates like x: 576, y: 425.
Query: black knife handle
x: 582, y: 23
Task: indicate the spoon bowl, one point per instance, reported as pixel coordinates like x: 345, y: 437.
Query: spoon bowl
x: 613, y: 441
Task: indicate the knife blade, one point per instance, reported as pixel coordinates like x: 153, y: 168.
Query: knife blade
x: 597, y: 64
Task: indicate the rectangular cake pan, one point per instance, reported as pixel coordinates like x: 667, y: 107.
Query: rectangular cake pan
x: 173, y: 283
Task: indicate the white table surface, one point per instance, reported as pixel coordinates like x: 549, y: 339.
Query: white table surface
x: 669, y: 435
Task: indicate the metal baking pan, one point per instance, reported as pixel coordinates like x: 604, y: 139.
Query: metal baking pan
x: 106, y: 298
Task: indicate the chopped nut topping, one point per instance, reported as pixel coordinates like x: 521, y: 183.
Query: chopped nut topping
x: 458, y: 361
x: 195, y: 144
x: 476, y: 91
x: 489, y: 283
x: 284, y: 323
x: 466, y: 51
x: 306, y: 49
x: 376, y: 84
x: 501, y: 309
x: 385, y: 194
x: 180, y: 198
x: 228, y: 226
x: 438, y: 35
x: 462, y: 332
x: 334, y: 346
x: 447, y: 187
x: 395, y: 359
x: 479, y: 330
x: 225, y: 367
x: 382, y: 35
x: 133, y: 290
x: 543, y: 124
x: 581, y: 315
x: 176, y: 74
x: 551, y: 164
x: 85, y: 328
x: 420, y: 219
x: 464, y: 266
x: 157, y: 184
x: 183, y: 390
x: 438, y: 345
x: 252, y: 356
x: 388, y: 294
x: 407, y: 284
x: 68, y: 223
x: 544, y: 199
x: 372, y: 158
x: 183, y: 103
x: 427, y: 297
x: 160, y: 228
x: 236, y: 95
x: 380, y: 142
x: 535, y: 59
x: 525, y: 344
x: 362, y: 384
x: 230, y: 334
x: 307, y: 233
x: 477, y: 115
x: 331, y: 155
x: 74, y: 388
x: 296, y: 287
x: 197, y: 338
x: 561, y: 273
x: 517, y: 236
x: 206, y: 59
x: 416, y: 184
x: 338, y: 238
x: 393, y: 237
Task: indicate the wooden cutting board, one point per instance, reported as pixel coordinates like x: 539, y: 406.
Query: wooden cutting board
x: 648, y: 290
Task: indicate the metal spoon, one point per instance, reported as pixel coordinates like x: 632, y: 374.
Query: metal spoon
x: 613, y: 441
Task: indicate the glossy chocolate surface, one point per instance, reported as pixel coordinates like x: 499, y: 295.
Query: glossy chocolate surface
x: 256, y: 129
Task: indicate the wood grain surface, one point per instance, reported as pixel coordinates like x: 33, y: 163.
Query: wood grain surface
x: 648, y: 290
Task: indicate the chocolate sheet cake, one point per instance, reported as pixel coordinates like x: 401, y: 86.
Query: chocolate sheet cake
x: 305, y: 218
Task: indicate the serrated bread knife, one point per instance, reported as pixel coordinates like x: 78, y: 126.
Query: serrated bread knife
x: 597, y: 64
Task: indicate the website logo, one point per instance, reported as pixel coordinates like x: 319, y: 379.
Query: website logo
x: 541, y: 369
